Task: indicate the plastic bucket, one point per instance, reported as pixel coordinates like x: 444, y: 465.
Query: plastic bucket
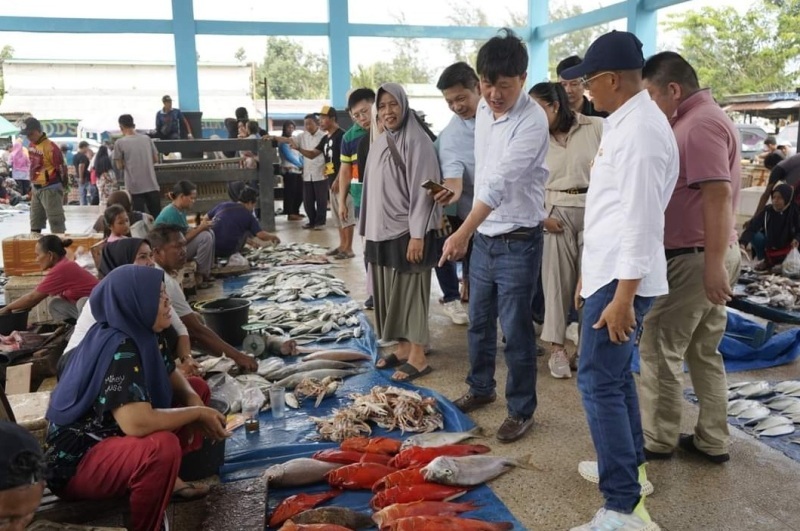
x: 13, y: 321
x: 226, y: 317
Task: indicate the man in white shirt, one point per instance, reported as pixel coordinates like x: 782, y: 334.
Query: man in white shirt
x: 315, y: 185
x: 633, y: 175
x: 511, y: 142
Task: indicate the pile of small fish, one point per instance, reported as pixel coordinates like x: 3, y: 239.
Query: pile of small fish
x: 308, y: 323
x: 388, y: 407
x: 758, y: 416
x: 291, y: 284
x: 411, y: 482
x: 775, y: 290
x: 287, y: 254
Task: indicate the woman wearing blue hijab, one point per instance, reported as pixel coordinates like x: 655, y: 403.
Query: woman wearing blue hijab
x: 112, y: 428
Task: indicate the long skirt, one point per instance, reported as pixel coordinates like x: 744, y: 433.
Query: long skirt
x: 402, y: 303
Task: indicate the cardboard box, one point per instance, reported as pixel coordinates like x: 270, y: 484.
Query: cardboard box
x: 19, y: 252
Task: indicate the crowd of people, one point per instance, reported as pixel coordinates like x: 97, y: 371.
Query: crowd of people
x: 558, y: 207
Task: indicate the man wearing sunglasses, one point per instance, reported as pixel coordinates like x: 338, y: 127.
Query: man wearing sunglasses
x: 633, y: 175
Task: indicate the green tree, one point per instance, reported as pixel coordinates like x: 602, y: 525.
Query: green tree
x: 405, y: 67
x: 742, y: 53
x: 465, y: 14
x: 6, y: 53
x: 240, y: 55
x: 292, y: 71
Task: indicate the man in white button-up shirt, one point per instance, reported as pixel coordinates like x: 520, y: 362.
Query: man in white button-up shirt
x: 624, y: 268
x: 511, y: 142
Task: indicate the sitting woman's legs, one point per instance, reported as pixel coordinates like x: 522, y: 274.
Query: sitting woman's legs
x: 201, y: 250
x: 144, y: 468
x: 61, y: 309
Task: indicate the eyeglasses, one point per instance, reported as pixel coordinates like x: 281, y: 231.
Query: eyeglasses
x: 585, y: 82
x: 361, y: 114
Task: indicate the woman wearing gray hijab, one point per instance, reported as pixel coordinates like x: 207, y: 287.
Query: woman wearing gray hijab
x: 399, y: 220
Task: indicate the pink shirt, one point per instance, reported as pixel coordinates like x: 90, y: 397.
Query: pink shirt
x: 114, y: 238
x: 708, y: 144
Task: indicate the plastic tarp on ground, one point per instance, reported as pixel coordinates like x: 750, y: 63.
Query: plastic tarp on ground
x: 279, y: 440
x: 782, y: 443
x: 738, y: 356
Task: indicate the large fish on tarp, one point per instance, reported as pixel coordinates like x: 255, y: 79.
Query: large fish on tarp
x: 445, y: 523
x: 358, y: 475
x: 298, y: 472
x: 292, y: 381
x: 341, y: 516
x: 337, y: 355
x: 418, y: 457
x: 297, y: 504
x: 412, y: 493
x: 347, y: 457
x: 373, y: 445
x: 291, y: 526
x: 389, y: 514
x: 441, y: 438
x: 470, y: 470
x: 406, y: 476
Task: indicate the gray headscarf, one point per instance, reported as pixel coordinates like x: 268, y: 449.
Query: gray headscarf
x: 394, y: 201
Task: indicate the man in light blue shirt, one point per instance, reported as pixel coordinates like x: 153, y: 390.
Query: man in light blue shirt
x: 511, y: 141
x: 456, y: 148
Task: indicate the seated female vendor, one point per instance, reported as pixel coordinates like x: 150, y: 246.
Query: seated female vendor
x: 137, y: 251
x: 235, y: 224
x: 121, y: 416
x: 139, y: 222
x: 774, y: 231
x: 66, y: 282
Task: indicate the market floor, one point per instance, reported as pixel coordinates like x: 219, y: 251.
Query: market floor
x: 757, y: 489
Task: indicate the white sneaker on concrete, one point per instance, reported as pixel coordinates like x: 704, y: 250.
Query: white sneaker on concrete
x: 572, y: 333
x: 588, y: 471
x: 559, y: 364
x: 455, y: 310
x: 606, y: 520
x: 382, y: 343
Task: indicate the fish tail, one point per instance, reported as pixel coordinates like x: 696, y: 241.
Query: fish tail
x: 477, y: 432
x: 526, y: 462
x: 502, y: 526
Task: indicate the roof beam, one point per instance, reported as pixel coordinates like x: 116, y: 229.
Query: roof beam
x: 84, y: 25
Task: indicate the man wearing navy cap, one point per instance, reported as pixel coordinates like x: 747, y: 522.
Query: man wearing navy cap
x: 21, y: 476
x: 633, y: 175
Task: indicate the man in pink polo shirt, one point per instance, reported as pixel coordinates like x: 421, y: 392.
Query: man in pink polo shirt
x: 702, y: 265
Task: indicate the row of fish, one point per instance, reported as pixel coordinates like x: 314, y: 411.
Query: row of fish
x: 287, y: 253
x: 757, y: 415
x: 292, y: 284
x: 296, y: 319
x: 388, y: 407
x: 413, y: 485
x: 776, y: 291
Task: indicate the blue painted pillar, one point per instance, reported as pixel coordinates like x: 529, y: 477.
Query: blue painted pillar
x: 183, y: 28
x: 339, y: 57
x: 538, y: 49
x: 644, y: 23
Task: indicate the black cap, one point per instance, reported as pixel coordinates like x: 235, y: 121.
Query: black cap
x: 21, y: 461
x: 30, y: 124
x: 617, y: 50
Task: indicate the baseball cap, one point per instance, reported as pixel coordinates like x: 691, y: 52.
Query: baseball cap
x: 21, y: 461
x: 617, y: 50
x: 166, y: 98
x: 327, y: 110
x: 30, y: 124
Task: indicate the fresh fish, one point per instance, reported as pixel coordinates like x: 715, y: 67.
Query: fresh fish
x: 292, y: 381
x: 757, y: 412
x: 291, y: 526
x: 470, y: 470
x: 787, y: 386
x: 396, y: 511
x: 338, y: 355
x: 341, y: 516
x: 358, y: 475
x: 412, y: 493
x: 792, y: 409
x: 291, y: 400
x: 428, y: 440
x: 348, y: 457
x: 217, y: 364
x: 735, y: 407
x: 418, y: 457
x: 777, y: 431
x: 374, y: 445
x: 269, y: 365
x: 296, y: 368
x: 406, y: 476
x: 772, y: 422
x: 779, y: 403
x: 737, y: 385
x: 755, y: 389
x: 795, y: 393
x: 297, y: 504
x: 298, y: 472
x: 445, y: 523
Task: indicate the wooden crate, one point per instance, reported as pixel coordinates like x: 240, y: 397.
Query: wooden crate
x: 19, y: 252
x: 22, y: 285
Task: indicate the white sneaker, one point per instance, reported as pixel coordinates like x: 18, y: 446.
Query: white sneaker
x: 455, y: 310
x: 382, y: 343
x: 573, y: 334
x: 559, y: 364
x: 606, y: 520
x: 588, y: 471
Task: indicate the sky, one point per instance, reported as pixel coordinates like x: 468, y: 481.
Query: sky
x: 364, y: 51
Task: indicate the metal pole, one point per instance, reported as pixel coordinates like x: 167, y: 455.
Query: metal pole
x: 266, y: 105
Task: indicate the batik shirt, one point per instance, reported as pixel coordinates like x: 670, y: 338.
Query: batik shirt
x: 124, y: 384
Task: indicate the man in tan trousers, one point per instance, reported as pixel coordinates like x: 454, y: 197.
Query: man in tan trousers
x: 703, y: 263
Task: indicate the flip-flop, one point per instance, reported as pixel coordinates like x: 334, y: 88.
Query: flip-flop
x: 344, y: 256
x: 412, y: 372
x: 183, y: 493
x: 390, y: 361
x: 333, y: 252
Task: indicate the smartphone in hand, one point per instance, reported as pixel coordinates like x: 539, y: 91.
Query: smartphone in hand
x: 435, y: 187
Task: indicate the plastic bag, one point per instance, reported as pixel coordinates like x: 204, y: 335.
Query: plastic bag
x: 791, y: 265
x: 237, y: 260
x: 84, y: 259
x: 224, y: 387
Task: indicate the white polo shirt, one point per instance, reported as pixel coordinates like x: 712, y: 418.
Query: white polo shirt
x: 633, y: 176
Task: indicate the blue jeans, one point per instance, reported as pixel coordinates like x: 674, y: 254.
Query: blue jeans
x: 84, y: 192
x: 502, y: 284
x: 609, y: 398
x: 759, y: 244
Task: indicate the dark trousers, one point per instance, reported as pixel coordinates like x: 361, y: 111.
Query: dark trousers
x: 292, y: 193
x: 24, y: 186
x: 447, y: 275
x: 315, y: 201
x: 149, y: 202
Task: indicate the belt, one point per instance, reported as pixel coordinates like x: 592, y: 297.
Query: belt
x: 524, y: 233
x: 672, y: 253
x: 573, y: 191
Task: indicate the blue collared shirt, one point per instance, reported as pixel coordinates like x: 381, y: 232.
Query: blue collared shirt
x: 510, y: 169
x: 456, y: 146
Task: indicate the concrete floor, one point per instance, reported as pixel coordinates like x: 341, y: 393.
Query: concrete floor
x: 757, y: 489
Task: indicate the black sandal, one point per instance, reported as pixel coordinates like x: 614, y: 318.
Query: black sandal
x: 389, y: 362
x: 411, y: 372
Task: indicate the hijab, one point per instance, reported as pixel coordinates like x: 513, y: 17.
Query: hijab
x: 786, y: 192
x: 119, y: 253
x: 125, y: 305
